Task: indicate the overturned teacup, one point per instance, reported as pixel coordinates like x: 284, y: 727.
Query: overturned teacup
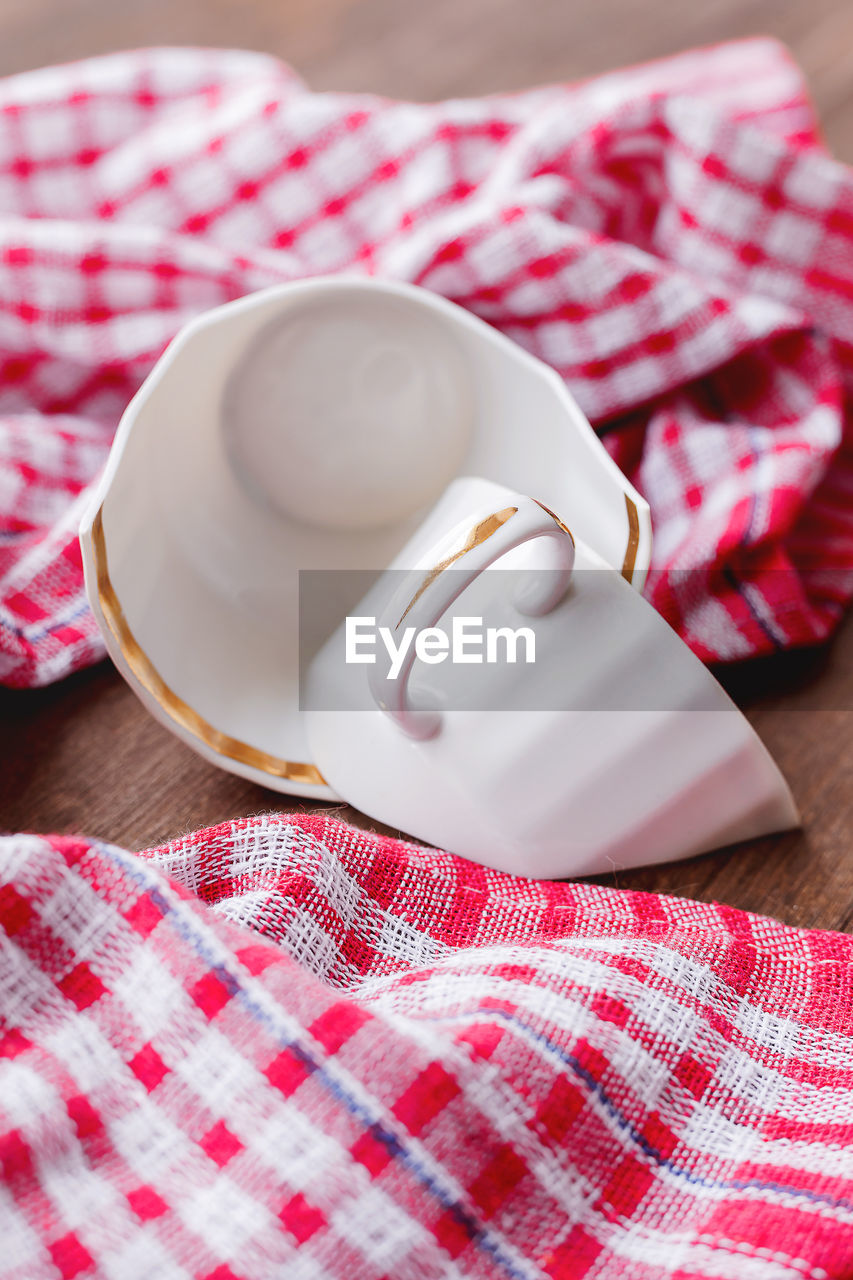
x: 311, y: 425
x: 569, y: 732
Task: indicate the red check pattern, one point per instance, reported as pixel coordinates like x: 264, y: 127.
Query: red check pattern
x: 284, y: 1047
x: 672, y: 238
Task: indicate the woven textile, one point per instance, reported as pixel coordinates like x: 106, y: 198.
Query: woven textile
x: 672, y: 238
x: 283, y: 1047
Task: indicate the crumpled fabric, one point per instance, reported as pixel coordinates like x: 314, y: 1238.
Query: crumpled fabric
x: 672, y: 238
x: 284, y: 1047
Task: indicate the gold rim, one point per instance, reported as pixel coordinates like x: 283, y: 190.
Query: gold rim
x: 557, y: 521
x: 174, y: 706
x: 633, y: 539
x: 183, y: 714
x: 481, y: 531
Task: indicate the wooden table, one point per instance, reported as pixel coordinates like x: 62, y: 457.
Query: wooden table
x: 84, y: 756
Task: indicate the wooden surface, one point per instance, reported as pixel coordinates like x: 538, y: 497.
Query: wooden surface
x: 85, y: 757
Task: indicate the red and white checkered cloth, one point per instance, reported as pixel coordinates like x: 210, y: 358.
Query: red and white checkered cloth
x: 672, y: 238
x: 315, y: 1053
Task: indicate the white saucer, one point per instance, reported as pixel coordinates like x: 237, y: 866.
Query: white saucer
x: 269, y: 438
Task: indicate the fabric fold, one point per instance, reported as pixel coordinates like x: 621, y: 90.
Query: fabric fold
x: 285, y: 1046
x: 672, y: 238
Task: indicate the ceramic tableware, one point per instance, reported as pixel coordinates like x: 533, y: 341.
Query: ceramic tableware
x: 311, y: 425
x: 614, y: 747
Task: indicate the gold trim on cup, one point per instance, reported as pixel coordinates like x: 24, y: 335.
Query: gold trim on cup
x: 633, y: 539
x: 174, y: 706
x: 476, y: 536
x: 557, y: 521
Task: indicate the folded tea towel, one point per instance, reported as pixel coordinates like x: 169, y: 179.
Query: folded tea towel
x: 287, y: 1048
x: 672, y: 238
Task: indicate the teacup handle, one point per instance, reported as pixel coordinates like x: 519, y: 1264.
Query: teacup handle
x: 472, y: 546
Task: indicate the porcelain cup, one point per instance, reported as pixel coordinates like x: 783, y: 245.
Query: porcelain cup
x: 311, y: 426
x: 614, y: 746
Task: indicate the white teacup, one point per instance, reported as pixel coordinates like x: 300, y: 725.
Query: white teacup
x: 614, y: 746
x: 309, y: 426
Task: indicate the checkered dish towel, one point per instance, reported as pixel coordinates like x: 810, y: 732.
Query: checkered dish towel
x: 286, y: 1048
x: 672, y: 238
